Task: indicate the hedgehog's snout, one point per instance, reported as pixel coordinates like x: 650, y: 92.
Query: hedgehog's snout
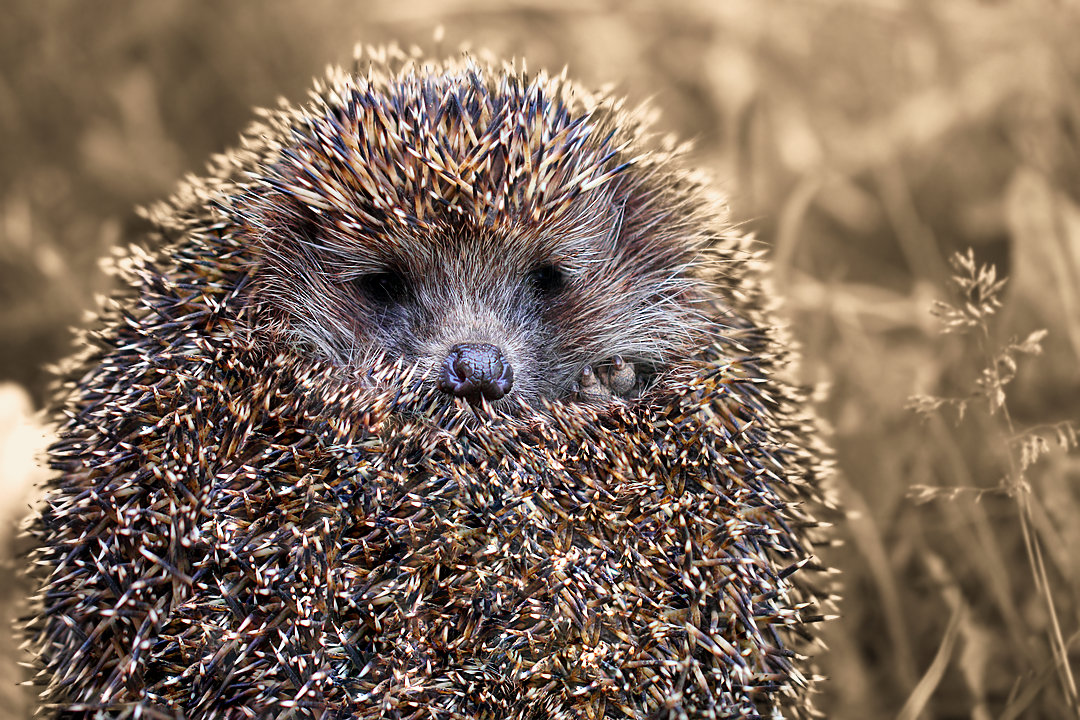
x: 475, y: 370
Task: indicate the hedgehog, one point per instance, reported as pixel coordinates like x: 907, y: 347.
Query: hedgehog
x: 450, y: 393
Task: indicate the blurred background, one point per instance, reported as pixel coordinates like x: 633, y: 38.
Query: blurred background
x: 863, y: 141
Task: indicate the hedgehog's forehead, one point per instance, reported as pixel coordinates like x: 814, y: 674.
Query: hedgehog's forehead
x: 461, y: 249
x: 491, y: 150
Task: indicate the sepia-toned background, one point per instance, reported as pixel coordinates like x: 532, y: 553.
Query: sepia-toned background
x: 863, y: 141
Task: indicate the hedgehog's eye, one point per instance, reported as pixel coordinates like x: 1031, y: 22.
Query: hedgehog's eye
x: 548, y: 280
x: 384, y: 288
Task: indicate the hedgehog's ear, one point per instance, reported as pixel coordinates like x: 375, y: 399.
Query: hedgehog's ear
x: 271, y: 216
x: 303, y: 228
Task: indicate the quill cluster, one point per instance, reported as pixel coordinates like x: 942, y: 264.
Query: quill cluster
x: 264, y: 505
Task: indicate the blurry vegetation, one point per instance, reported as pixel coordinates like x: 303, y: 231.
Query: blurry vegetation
x: 978, y: 299
x: 865, y: 141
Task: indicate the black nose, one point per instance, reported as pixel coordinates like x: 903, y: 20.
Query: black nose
x: 472, y: 370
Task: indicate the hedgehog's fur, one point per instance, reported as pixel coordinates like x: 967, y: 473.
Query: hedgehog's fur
x: 263, y: 506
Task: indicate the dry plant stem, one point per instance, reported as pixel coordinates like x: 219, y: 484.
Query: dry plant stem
x: 1024, y: 693
x: 1019, y: 487
x: 1038, y: 569
x: 931, y: 679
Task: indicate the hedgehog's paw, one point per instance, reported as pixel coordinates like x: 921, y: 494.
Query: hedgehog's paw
x: 619, y: 380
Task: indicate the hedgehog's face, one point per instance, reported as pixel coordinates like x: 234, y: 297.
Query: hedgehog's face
x: 491, y: 314
x: 582, y: 313
x: 475, y: 312
x: 494, y: 234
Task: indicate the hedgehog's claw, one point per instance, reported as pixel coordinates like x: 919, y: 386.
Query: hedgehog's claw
x: 621, y: 378
x: 617, y: 381
x: 590, y: 389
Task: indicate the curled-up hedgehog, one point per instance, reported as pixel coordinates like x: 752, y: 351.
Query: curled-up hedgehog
x: 450, y: 393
